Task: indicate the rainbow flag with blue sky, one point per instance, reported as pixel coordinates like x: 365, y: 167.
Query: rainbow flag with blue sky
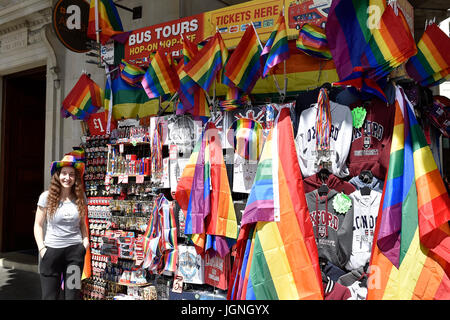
x: 277, y: 256
x: 411, y: 249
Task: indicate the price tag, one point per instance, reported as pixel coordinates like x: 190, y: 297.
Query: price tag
x: 121, y: 148
x: 173, y: 152
x: 123, y: 179
x: 140, y: 178
x: 107, y: 179
x: 177, y: 284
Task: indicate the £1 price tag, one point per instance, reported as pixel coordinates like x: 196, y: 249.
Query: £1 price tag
x: 177, y: 283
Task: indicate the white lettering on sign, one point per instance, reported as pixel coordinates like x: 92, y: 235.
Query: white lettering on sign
x: 14, y: 40
x: 74, y: 20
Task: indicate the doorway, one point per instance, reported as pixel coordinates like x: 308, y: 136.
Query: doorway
x: 22, y: 156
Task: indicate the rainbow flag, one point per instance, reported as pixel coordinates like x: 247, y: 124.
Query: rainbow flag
x: 312, y: 40
x: 358, y: 40
x: 85, y: 98
x: 204, y: 66
x: 244, y: 66
x: 192, y: 97
x: 411, y: 249
x: 204, y: 196
x: 276, y: 49
x: 109, y: 22
x: 247, y: 137
x: 277, y: 255
x: 127, y: 100
x: 161, y: 77
x: 234, y: 98
x: 431, y: 65
x: 131, y: 73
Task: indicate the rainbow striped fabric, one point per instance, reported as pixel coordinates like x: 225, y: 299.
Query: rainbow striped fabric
x: 192, y: 97
x: 244, y: 66
x: 161, y: 77
x: 361, y: 44
x: 109, y: 22
x: 410, y: 255
x: 204, y: 66
x: 85, y: 98
x: 431, y: 65
x: 276, y: 49
x: 312, y: 40
x: 204, y: 195
x: 131, y: 73
x: 247, y: 137
x: 276, y: 251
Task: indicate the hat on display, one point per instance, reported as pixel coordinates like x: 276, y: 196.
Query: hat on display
x: 69, y: 160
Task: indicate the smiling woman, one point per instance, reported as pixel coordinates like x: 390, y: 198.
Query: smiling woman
x: 62, y: 250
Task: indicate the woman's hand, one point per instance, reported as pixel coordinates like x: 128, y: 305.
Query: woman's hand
x: 42, y: 252
x: 86, y: 243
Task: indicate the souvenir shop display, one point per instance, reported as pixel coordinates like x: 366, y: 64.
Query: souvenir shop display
x: 250, y: 195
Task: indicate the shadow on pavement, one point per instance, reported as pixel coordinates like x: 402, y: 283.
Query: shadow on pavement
x: 19, y: 285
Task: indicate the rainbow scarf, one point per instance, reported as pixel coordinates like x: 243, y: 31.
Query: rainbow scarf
x: 244, y: 66
x: 161, y: 77
x: 192, y: 97
x: 276, y: 251
x: 312, y: 40
x: 431, y: 65
x: 85, y: 98
x: 131, y: 74
x: 410, y: 255
x: 276, y: 49
x: 204, y: 66
x: 247, y: 139
x: 109, y: 22
x: 323, y: 121
x: 204, y: 195
x: 361, y: 47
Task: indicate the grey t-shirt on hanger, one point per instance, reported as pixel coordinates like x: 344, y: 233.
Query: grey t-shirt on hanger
x: 63, y: 230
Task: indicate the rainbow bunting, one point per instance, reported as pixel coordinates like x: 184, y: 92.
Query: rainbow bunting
x: 410, y: 255
x: 276, y: 49
x: 161, y: 77
x: 204, y: 195
x: 109, y: 22
x: 244, y: 66
x: 84, y: 99
x: 192, y: 97
x: 204, y: 66
x: 276, y: 251
x: 431, y: 65
x: 131, y: 74
x: 312, y: 40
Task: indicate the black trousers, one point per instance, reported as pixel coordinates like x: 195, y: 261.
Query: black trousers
x: 62, y: 263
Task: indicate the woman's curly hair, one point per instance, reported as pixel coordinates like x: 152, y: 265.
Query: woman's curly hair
x: 54, y: 194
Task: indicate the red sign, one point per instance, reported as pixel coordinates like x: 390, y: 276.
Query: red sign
x: 97, y: 124
x: 165, y: 36
x: 217, y: 271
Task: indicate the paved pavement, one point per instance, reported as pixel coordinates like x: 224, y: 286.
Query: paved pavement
x: 17, y: 284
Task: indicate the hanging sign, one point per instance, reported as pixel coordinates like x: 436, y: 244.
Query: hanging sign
x: 97, y: 124
x: 166, y: 36
x: 70, y: 21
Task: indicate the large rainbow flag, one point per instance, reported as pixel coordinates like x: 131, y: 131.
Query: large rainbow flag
x: 411, y: 250
x: 204, y: 66
x: 109, y: 22
x: 244, y: 66
x: 204, y: 195
x: 85, y: 98
x: 161, y: 78
x: 276, y: 49
x: 431, y: 65
x: 367, y: 39
x: 277, y: 255
x: 192, y: 97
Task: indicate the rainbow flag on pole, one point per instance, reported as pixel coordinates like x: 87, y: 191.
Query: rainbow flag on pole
x: 244, y: 66
x: 85, y: 98
x: 161, y: 77
x: 131, y: 73
x: 431, y: 65
x: 204, y: 66
x: 276, y: 49
x: 312, y: 40
x: 204, y: 195
x: 108, y: 22
x: 277, y: 255
x: 411, y: 250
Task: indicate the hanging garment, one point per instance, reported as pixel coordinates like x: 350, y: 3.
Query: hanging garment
x: 314, y: 182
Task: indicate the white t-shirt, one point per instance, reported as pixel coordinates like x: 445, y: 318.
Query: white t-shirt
x: 340, y: 140
x: 63, y: 230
